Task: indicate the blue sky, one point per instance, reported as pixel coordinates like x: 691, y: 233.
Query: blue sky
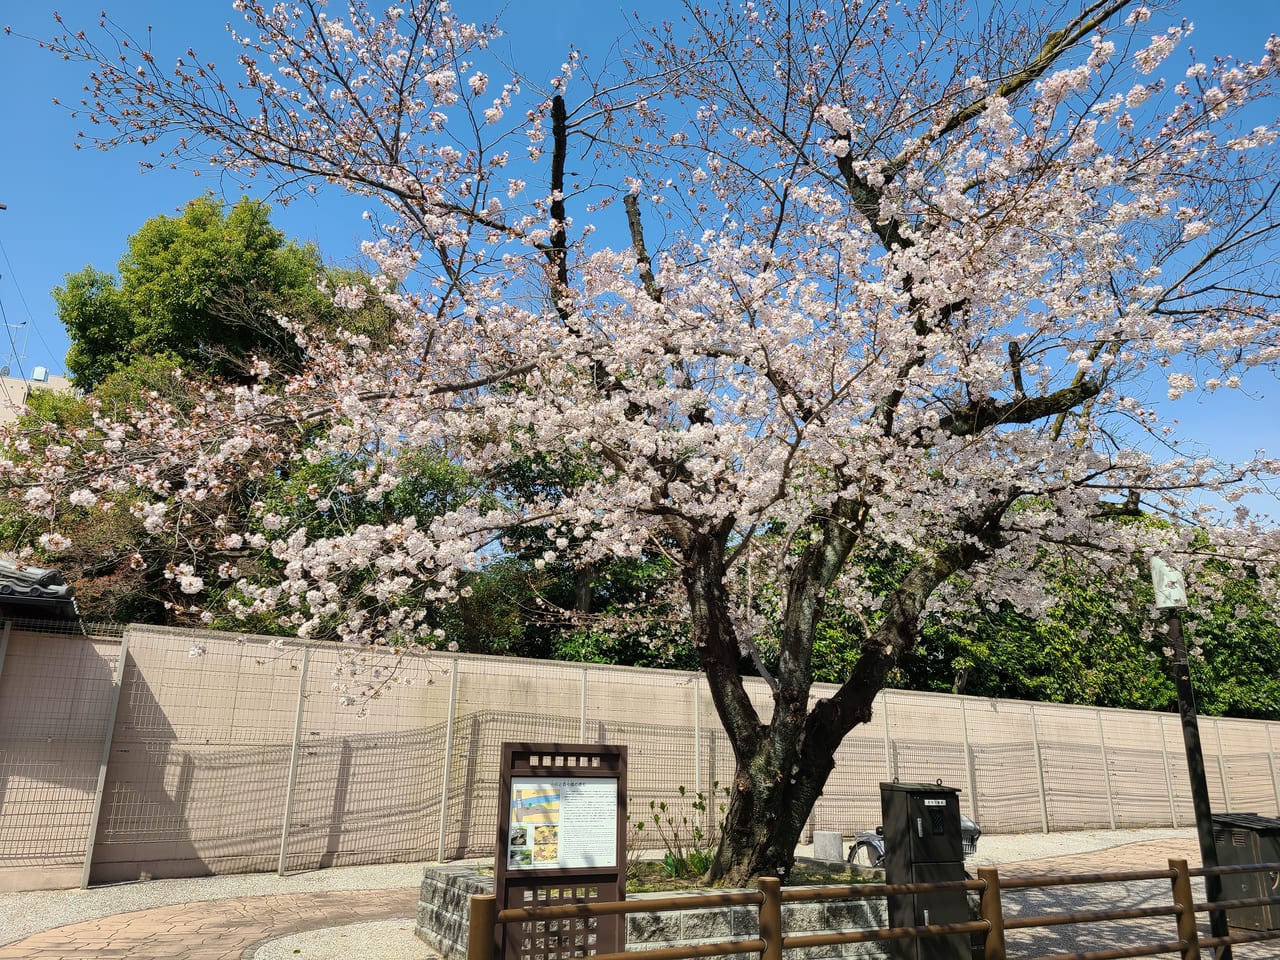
x: 68, y: 208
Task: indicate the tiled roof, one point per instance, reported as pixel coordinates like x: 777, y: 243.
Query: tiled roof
x: 28, y: 591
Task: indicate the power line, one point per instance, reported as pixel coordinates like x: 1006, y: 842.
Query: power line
x: 29, y: 323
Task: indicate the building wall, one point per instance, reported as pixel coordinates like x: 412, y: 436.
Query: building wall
x: 14, y: 392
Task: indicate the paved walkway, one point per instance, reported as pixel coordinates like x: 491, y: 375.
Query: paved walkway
x: 231, y: 929
x: 210, y: 930
x: 1143, y: 855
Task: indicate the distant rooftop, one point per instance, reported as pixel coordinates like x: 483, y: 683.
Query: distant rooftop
x: 39, y: 592
x: 15, y: 391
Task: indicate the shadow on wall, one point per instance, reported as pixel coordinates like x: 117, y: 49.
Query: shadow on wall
x: 56, y: 692
x: 144, y: 830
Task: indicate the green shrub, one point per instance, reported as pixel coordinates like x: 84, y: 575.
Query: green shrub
x: 683, y: 831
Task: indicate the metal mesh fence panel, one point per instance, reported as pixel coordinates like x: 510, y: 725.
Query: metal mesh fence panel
x: 199, y: 757
x: 1136, y: 765
x: 927, y: 741
x: 1075, y: 774
x: 368, y: 782
x: 1248, y: 763
x: 55, y: 694
x: 657, y: 716
x: 205, y: 769
x: 67, y: 628
x: 473, y: 801
x: 1006, y: 769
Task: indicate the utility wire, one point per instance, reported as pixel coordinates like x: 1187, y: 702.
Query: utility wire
x: 49, y: 351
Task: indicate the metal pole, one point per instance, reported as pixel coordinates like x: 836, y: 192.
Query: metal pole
x: 968, y: 762
x: 448, y: 756
x: 1035, y: 743
x: 293, y: 761
x: 1195, y: 770
x: 4, y: 644
x: 1222, y: 763
x: 1106, y: 769
x: 1271, y: 762
x: 697, y: 742
x: 1168, y: 776
x: 890, y: 766
x: 117, y: 682
x: 582, y: 726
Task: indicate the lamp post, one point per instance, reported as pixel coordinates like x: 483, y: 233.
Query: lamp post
x: 1171, y: 596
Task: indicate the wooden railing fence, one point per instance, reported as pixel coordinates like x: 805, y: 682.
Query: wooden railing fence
x: 991, y: 923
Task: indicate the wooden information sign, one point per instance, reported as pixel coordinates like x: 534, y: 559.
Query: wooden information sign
x: 562, y: 813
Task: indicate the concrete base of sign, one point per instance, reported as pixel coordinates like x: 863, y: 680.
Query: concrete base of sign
x: 444, y: 905
x: 828, y: 845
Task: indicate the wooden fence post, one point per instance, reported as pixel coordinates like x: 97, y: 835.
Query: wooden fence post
x: 1183, y: 897
x: 770, y: 918
x: 482, y: 927
x: 991, y: 911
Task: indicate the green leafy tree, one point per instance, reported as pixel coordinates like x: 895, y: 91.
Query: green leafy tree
x: 99, y: 323
x: 204, y: 287
x: 1088, y: 649
x: 1232, y: 625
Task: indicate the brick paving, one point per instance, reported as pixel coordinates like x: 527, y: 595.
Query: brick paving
x: 212, y: 929
x: 1140, y: 855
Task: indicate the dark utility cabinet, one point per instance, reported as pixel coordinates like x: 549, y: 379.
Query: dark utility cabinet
x: 1243, y: 838
x: 922, y: 844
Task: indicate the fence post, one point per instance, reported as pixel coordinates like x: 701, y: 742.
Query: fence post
x: 697, y: 752
x: 1035, y: 743
x: 1168, y: 777
x: 969, y: 763
x: 104, y: 762
x: 4, y: 644
x: 1271, y: 762
x: 770, y: 917
x: 1183, y: 898
x: 1222, y: 766
x: 482, y: 927
x: 448, y: 756
x: 991, y: 911
x: 582, y: 726
x: 890, y: 758
x: 1106, y: 770
x: 293, y: 761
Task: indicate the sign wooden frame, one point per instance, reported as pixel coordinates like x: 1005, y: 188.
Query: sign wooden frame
x: 555, y: 846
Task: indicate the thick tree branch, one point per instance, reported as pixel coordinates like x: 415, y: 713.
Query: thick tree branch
x: 984, y: 413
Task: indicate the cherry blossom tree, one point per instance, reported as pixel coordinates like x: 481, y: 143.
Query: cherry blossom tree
x: 844, y: 307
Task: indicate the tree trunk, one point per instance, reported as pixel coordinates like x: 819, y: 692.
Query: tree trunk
x: 582, y: 591
x: 768, y: 810
x: 781, y: 766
